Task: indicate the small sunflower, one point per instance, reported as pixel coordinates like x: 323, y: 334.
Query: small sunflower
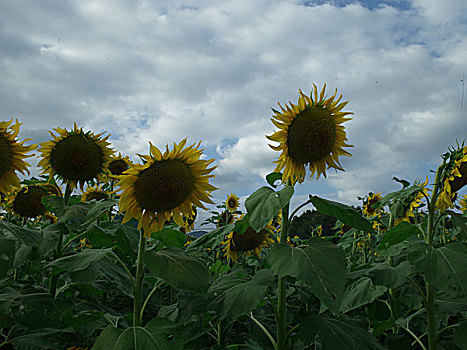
x: 76, y: 157
x: 26, y: 201
x: 454, y: 177
x: 415, y: 201
x: 12, y: 154
x: 368, y: 210
x: 165, y: 185
x: 249, y: 242
x: 310, y: 134
x: 232, y: 203
x: 95, y: 192
x: 118, y: 165
x: 189, y: 221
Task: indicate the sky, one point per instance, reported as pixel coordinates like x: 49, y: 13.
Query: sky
x: 161, y: 71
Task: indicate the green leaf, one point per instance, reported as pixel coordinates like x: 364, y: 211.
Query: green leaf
x: 170, y: 237
x: 272, y: 178
x: 445, y: 267
x: 96, y: 208
x: 359, y: 293
x: 344, y: 213
x: 211, y: 239
x: 178, y: 270
x: 158, y: 334
x: 459, y: 221
x: 321, y: 264
x: 81, y: 260
x: 7, y: 255
x: 244, y: 297
x: 398, y: 234
x: 384, y: 275
x: 460, y: 336
x: 338, y: 334
x: 265, y: 203
x: 24, y: 235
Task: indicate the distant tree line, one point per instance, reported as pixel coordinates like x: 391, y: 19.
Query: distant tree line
x: 303, y: 225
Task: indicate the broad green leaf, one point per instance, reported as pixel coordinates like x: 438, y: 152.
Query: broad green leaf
x: 242, y: 298
x: 51, y: 235
x: 265, y: 203
x: 344, y: 213
x: 211, y: 239
x: 359, y: 293
x: 272, y: 178
x: 24, y: 235
x: 170, y: 237
x: 384, y: 275
x: 114, y: 273
x: 45, y: 338
x: 109, y: 235
x: 337, y: 334
x: 461, y: 222
x: 321, y: 264
x: 96, y: 208
x: 7, y: 255
x: 81, y: 260
x: 178, y: 270
x: 445, y: 267
x: 460, y: 336
x: 398, y: 234
x: 158, y: 334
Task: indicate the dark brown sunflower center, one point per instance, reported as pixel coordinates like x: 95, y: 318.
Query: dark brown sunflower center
x: 117, y: 167
x: 249, y: 240
x: 459, y: 182
x: 76, y: 157
x: 311, y: 136
x: 97, y: 195
x: 6, y: 157
x: 232, y: 203
x: 164, y: 185
x: 28, y: 202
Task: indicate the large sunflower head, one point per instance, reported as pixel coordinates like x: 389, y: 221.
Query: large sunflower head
x: 368, y: 204
x: 453, y: 177
x: 26, y: 201
x: 118, y: 165
x: 248, y: 242
x: 95, y: 192
x: 165, y: 185
x: 310, y: 134
x: 12, y: 154
x: 76, y: 157
x: 232, y: 202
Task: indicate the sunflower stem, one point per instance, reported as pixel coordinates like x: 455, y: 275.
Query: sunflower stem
x: 282, y: 287
x: 58, y: 252
x: 430, y: 290
x: 68, y: 191
x: 137, y: 291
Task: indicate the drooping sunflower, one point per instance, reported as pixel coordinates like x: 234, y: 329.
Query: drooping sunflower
x: 414, y: 202
x: 310, y: 134
x: 250, y: 242
x: 118, y: 165
x: 165, y: 185
x: 189, y: 221
x: 368, y: 210
x: 95, y: 192
x: 26, y: 201
x: 453, y: 178
x: 232, y: 203
x: 76, y: 157
x: 12, y: 154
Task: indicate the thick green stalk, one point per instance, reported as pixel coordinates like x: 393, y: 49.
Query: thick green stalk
x: 282, y: 306
x: 430, y: 291
x: 55, y: 274
x: 138, y: 290
x: 68, y: 191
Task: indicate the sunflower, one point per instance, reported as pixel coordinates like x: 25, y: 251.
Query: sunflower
x: 26, y: 201
x: 310, y: 134
x: 463, y: 203
x: 165, y: 185
x: 415, y: 201
x: 12, y: 154
x: 76, y: 157
x: 189, y: 221
x: 249, y: 242
x: 368, y: 205
x: 232, y: 202
x: 118, y: 165
x: 94, y: 192
x: 454, y: 177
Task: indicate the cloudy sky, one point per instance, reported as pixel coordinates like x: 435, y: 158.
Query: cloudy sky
x: 161, y: 71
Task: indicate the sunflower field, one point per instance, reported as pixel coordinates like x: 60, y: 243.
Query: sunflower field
x: 96, y: 252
